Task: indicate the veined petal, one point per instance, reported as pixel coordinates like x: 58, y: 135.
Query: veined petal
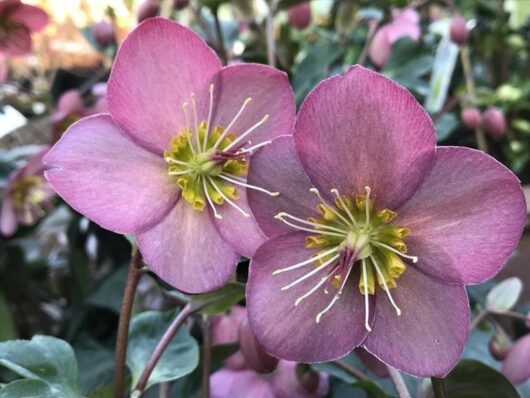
x: 290, y: 332
x: 34, y: 18
x: 186, y: 251
x: 362, y: 129
x: 466, y: 218
x: 240, y: 384
x: 104, y: 175
x: 157, y: 68
x: 428, y: 338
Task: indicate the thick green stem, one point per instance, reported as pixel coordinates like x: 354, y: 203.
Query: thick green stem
x: 438, y: 387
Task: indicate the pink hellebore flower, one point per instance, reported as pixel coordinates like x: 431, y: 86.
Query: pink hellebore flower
x: 26, y: 197
x: 169, y: 162
x: 516, y: 365
x: 363, y: 185
x: 17, y: 22
x: 405, y: 23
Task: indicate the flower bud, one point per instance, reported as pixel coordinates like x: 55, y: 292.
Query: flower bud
x: 499, y: 347
x: 308, y: 378
x: 256, y: 358
x: 299, y: 16
x: 148, y: 9
x: 494, y: 121
x: 103, y: 33
x: 515, y: 367
x: 458, y: 30
x: 471, y: 117
x: 180, y: 4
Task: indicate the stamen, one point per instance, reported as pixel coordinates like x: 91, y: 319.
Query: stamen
x: 314, y: 288
x: 305, y: 262
x: 331, y: 207
x: 279, y: 216
x: 196, y: 120
x: 413, y: 258
x: 366, y: 298
x: 339, y: 292
x: 314, y: 224
x: 343, y: 204
x: 367, y: 205
x: 210, y: 109
x: 229, y: 201
x: 179, y: 173
x: 250, y: 130
x: 254, y: 147
x: 185, y: 109
x: 311, y: 273
x: 210, y: 202
x: 175, y: 161
x: 246, y: 185
x: 387, y: 290
x: 226, y: 131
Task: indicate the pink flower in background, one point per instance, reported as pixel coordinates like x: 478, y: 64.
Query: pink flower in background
x: 376, y: 231
x: 405, y: 23
x: 103, y: 33
x: 148, y: 9
x: 169, y: 162
x: 17, y: 22
x: 516, y: 366
x: 299, y: 15
x: 26, y: 197
x: 3, y: 69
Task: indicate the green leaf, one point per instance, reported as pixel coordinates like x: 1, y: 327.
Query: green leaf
x: 28, y: 388
x: 473, y: 379
x: 109, y: 294
x: 43, y: 358
x: 106, y: 391
x: 504, y: 296
x: 180, y: 358
x: 519, y: 12
x: 445, y: 125
x: 220, y: 352
x: 219, y: 300
x: 7, y: 325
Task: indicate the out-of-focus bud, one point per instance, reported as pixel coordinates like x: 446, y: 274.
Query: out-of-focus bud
x: 308, y: 378
x: 180, y: 4
x: 256, y: 358
x: 244, y: 10
x: 299, y: 16
x: 471, y: 117
x: 148, y: 9
x: 499, y: 346
x: 494, y: 121
x: 458, y: 30
x: 345, y: 19
x: 103, y: 33
x: 515, y: 367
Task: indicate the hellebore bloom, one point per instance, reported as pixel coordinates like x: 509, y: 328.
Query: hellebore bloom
x: 169, y: 162
x: 17, y: 22
x: 26, y: 197
x: 405, y: 23
x: 299, y: 15
x: 515, y: 366
x: 103, y: 33
x: 363, y: 185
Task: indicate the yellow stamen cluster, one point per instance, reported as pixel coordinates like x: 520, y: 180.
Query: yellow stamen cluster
x: 27, y: 191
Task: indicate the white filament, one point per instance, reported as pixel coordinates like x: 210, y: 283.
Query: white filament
x: 311, y: 273
x: 228, y: 200
x: 305, y: 262
x: 247, y: 185
x: 225, y: 133
x: 366, y: 299
x: 210, y: 201
x: 387, y: 290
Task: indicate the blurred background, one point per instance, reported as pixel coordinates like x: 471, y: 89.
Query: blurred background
x: 466, y: 61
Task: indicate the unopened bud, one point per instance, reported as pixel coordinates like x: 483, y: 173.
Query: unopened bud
x: 471, y: 117
x: 148, y: 9
x: 458, y: 30
x: 499, y: 346
x: 256, y: 358
x: 494, y: 121
x: 180, y: 4
x: 299, y: 16
x: 103, y: 33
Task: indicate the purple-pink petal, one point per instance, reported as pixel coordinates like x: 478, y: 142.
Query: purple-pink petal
x: 362, y: 129
x: 466, y: 218
x: 186, y: 251
x: 227, y: 383
x: 298, y: 337
x: 158, y: 67
x: 516, y: 366
x: 225, y: 330
x: 286, y: 384
x: 8, y: 217
x: 104, y: 175
x: 34, y: 18
x: 428, y: 338
x: 278, y: 169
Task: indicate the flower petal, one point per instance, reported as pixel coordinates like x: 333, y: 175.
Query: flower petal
x: 286, y: 384
x: 17, y: 43
x: 186, y: 251
x: 240, y: 384
x: 362, y: 129
x: 429, y: 336
x: 8, y: 217
x: 242, y: 233
x: 225, y: 330
x: 105, y: 176
x: 515, y: 366
x: 157, y: 67
x: 290, y: 332
x: 277, y: 169
x: 271, y: 95
x: 466, y: 218
x: 34, y: 18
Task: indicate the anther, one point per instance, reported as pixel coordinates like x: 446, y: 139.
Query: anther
x: 228, y: 200
x: 387, y: 290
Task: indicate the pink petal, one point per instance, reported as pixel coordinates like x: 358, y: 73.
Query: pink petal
x: 186, y: 251
x: 286, y: 384
x: 157, y: 67
x: 226, y: 383
x: 225, y: 330
x: 277, y: 168
x: 8, y: 218
x: 17, y: 43
x: 362, y: 129
x: 290, y: 332
x: 429, y: 336
x: 35, y: 165
x: 466, y: 218
x: 34, y: 18
x: 380, y: 47
x: 515, y: 366
x: 105, y: 176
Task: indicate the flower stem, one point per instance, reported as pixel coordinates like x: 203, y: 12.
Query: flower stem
x: 220, y: 37
x: 350, y: 369
x: 438, y: 387
x: 206, y: 356
x: 269, y: 33
x: 479, y: 318
x: 125, y: 318
x: 161, y: 346
x: 370, y: 35
x: 399, y: 383
x: 470, y: 84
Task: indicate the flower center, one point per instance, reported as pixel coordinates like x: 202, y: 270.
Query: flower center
x: 350, y: 232
x: 27, y: 191
x: 210, y: 164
